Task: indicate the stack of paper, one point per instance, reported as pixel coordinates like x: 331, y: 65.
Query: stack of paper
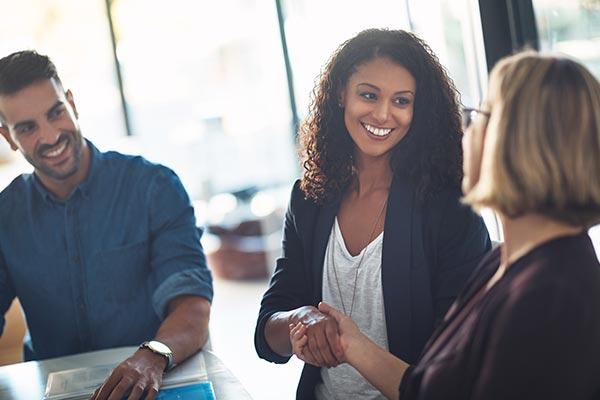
x: 80, y: 383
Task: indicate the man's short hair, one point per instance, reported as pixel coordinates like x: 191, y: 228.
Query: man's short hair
x: 542, y: 148
x: 21, y: 69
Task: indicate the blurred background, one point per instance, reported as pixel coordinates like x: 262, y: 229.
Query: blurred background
x: 215, y: 90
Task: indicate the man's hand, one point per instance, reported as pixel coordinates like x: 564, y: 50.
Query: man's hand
x: 322, y: 348
x: 138, y: 375
x: 184, y: 331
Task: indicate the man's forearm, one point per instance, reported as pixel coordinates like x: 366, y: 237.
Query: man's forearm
x: 185, y: 330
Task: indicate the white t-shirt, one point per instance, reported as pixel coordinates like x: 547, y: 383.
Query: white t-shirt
x: 343, y: 381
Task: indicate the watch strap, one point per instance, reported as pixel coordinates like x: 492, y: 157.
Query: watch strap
x: 167, y: 355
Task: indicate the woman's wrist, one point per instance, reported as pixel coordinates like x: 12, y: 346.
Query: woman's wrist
x: 358, y: 349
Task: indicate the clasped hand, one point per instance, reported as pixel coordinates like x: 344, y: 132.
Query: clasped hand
x: 323, y: 336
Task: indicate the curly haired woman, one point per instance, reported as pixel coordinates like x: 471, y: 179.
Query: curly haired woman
x: 375, y: 226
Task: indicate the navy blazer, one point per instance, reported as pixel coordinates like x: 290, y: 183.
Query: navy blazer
x: 429, y: 252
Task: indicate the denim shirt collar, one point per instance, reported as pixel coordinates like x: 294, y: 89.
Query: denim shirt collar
x: 84, y: 187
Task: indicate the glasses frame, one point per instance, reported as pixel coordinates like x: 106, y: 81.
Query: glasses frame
x: 468, y: 115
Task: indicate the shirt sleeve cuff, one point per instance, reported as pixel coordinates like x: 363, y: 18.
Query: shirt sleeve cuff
x: 189, y: 282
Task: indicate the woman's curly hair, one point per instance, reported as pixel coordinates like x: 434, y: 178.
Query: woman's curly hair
x: 430, y: 155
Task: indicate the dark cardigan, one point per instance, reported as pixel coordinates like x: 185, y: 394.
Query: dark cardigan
x: 534, y: 335
x: 429, y: 252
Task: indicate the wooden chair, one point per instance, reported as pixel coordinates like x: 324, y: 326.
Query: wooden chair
x: 11, y: 342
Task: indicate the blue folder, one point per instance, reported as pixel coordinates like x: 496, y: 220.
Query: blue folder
x: 194, y: 391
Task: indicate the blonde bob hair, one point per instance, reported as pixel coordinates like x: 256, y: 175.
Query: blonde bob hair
x: 542, y: 146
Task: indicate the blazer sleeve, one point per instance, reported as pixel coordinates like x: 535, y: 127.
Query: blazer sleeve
x: 289, y: 287
x: 541, y: 346
x: 461, y: 243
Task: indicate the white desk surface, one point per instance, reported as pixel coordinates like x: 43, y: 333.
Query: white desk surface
x: 27, y: 380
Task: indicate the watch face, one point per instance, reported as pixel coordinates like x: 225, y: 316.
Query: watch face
x: 159, y: 347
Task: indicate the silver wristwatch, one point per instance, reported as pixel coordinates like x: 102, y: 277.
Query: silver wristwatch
x: 160, y: 349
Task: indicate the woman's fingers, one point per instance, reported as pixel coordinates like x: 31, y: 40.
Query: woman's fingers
x: 332, y: 312
x: 298, y: 339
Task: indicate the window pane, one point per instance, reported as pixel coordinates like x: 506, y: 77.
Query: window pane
x: 76, y: 36
x: 571, y: 27
x: 448, y: 27
x: 314, y: 29
x: 207, y: 91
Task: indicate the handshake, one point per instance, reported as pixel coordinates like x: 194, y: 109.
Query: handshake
x: 324, y: 337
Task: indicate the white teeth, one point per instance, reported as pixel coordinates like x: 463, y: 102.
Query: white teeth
x: 56, y: 152
x: 377, y: 131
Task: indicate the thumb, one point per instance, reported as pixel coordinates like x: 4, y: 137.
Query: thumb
x: 332, y: 312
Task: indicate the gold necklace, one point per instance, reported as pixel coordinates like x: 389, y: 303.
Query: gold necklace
x: 363, y: 252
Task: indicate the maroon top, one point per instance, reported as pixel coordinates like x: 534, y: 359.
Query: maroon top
x: 534, y: 335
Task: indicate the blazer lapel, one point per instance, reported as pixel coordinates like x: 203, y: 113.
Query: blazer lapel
x: 395, y: 268
x: 325, y: 218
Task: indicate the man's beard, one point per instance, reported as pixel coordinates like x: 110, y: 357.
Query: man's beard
x: 73, y: 139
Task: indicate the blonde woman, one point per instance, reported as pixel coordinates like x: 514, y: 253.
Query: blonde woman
x: 527, y: 326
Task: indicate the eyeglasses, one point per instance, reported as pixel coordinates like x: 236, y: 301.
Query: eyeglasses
x: 470, y: 114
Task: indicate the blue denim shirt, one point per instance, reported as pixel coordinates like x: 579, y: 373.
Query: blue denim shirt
x: 99, y: 269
